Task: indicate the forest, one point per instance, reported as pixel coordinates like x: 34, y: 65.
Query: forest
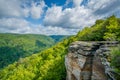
x: 15, y: 46
x: 48, y: 64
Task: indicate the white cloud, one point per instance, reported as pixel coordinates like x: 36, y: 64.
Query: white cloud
x: 13, y: 8
x: 10, y: 8
x: 77, y: 2
x: 57, y: 20
x: 80, y: 16
x: 53, y: 15
x: 26, y: 12
x: 17, y: 25
x: 77, y: 17
x: 104, y: 7
x: 69, y: 18
x: 37, y: 10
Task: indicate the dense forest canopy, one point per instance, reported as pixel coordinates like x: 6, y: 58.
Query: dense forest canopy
x: 15, y: 46
x: 49, y: 64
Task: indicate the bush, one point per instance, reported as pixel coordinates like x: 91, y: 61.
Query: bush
x: 115, y: 61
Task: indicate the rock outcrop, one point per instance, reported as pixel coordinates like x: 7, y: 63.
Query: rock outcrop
x: 89, y: 61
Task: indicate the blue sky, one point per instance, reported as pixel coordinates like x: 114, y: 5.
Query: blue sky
x: 53, y: 17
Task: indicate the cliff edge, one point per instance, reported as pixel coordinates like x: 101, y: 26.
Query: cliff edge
x: 89, y: 60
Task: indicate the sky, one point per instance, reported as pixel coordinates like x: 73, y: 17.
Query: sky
x: 53, y: 17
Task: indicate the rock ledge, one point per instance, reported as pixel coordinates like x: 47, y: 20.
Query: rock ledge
x: 89, y: 61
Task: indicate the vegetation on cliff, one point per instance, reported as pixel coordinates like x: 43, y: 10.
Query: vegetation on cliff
x: 115, y: 61
x: 49, y: 64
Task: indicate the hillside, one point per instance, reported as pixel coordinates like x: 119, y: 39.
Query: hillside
x: 58, y: 38
x: 15, y: 46
x: 49, y: 64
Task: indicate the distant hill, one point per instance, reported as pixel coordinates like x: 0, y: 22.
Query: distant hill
x: 15, y: 46
x: 58, y: 38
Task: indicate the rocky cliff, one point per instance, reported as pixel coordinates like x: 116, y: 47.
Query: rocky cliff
x: 89, y: 61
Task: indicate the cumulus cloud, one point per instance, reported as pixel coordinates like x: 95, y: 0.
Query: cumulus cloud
x: 37, y: 10
x: 64, y: 20
x: 80, y: 16
x: 16, y: 25
x: 20, y: 8
x: 104, y: 7
x: 69, y: 18
x: 53, y: 16
x: 10, y: 8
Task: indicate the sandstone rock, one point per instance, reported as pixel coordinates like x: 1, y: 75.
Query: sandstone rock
x: 88, y: 61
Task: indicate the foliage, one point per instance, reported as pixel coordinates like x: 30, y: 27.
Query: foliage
x: 14, y: 46
x: 108, y: 29
x: 59, y: 38
x: 49, y: 64
x: 112, y: 28
x: 115, y: 61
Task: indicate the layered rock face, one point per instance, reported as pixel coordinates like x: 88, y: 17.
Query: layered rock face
x: 89, y: 61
